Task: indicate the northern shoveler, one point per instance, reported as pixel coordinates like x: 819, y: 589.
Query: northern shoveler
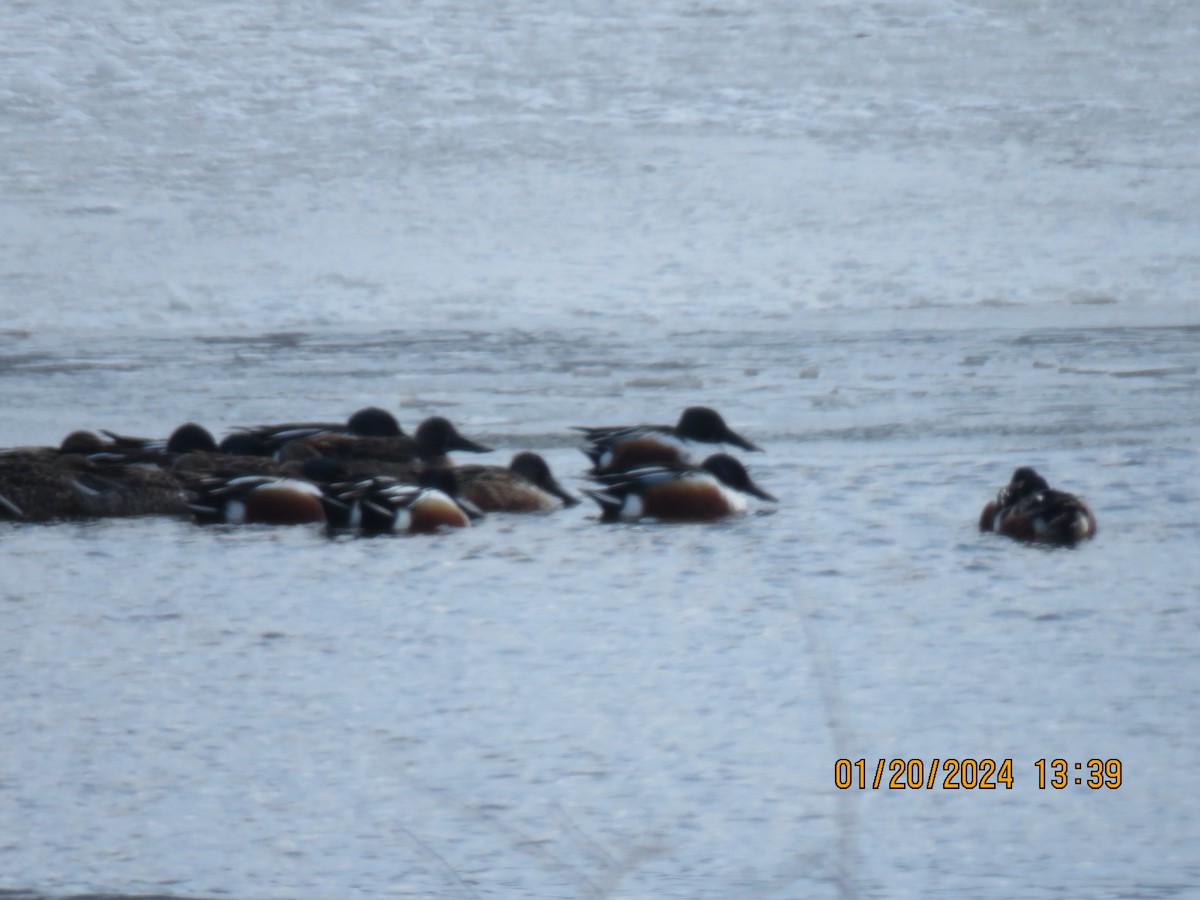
x: 81, y: 442
x: 434, y: 439
x: 192, y: 466
x: 190, y: 438
x: 368, y: 422
x: 382, y: 505
x: 236, y: 455
x: 526, y: 485
x: 713, y: 490
x: 187, y: 438
x: 620, y: 448
x: 370, y: 433
x: 262, y: 499
x: 1029, y: 509
x: 191, y: 455
x: 242, y: 443
x: 33, y: 488
x: 42, y: 484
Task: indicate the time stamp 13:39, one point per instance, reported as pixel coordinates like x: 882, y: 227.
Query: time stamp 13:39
x: 985, y: 774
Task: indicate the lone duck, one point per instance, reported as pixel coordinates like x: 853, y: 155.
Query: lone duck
x: 1029, y: 509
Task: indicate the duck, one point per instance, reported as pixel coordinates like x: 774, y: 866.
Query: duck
x: 267, y: 440
x: 430, y: 445
x: 1029, y: 509
x: 190, y: 437
x: 525, y: 485
x: 189, y: 452
x: 713, y: 490
x: 255, y: 499
x: 74, y: 482
x: 383, y: 505
x: 237, y: 454
x: 624, y: 447
x: 370, y: 433
x: 37, y: 485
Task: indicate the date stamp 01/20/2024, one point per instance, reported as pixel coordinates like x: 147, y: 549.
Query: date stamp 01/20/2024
x: 972, y: 774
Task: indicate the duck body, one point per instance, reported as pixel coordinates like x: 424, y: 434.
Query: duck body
x: 45, y: 484
x: 1028, y: 509
x: 369, y: 434
x: 622, y: 448
x: 711, y: 491
x: 385, y: 505
x: 256, y: 499
x: 525, y: 485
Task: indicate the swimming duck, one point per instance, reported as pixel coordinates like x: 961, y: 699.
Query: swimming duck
x: 526, y: 485
x: 431, y: 444
x: 710, y: 491
x: 620, y: 448
x: 1029, y: 509
x: 189, y: 437
x: 255, y: 499
x: 383, y: 505
x: 368, y: 422
x: 370, y: 433
x: 42, y: 484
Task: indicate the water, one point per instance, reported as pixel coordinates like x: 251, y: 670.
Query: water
x: 905, y: 247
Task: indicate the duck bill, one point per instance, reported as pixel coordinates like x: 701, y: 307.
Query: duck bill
x: 560, y: 492
x: 467, y: 445
x: 752, y: 488
x: 732, y: 437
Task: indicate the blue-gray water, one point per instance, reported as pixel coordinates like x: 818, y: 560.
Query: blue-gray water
x: 905, y: 247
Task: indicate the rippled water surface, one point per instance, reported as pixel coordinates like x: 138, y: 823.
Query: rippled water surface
x: 904, y: 247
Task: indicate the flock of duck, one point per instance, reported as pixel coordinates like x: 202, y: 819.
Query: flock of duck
x: 367, y: 476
